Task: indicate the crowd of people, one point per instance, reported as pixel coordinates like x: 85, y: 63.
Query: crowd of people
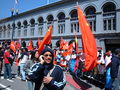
x: 45, y: 70
x: 36, y: 68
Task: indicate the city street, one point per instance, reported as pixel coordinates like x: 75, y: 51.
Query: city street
x: 72, y: 83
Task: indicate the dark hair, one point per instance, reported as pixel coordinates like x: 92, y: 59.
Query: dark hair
x: 32, y: 54
x: 46, y: 49
x: 117, y: 51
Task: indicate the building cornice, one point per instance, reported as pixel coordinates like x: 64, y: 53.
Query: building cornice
x: 36, y: 10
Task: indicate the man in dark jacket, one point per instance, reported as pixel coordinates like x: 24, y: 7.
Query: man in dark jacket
x: 114, y: 69
x: 54, y: 78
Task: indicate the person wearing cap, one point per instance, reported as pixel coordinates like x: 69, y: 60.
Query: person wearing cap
x: 53, y: 76
x: 115, y: 66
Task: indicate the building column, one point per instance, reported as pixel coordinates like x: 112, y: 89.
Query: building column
x: 118, y: 20
x: 22, y: 30
x: 36, y: 31
x: 99, y: 23
x: 102, y: 44
x: 55, y: 27
x: 67, y: 26
x: 44, y: 29
x: 28, y: 31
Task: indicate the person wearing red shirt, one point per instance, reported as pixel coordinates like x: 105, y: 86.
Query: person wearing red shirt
x: 7, y: 65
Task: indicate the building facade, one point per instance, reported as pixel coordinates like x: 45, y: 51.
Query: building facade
x: 103, y: 17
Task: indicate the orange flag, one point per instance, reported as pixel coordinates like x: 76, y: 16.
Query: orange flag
x: 46, y: 39
x: 30, y: 45
x: 17, y: 44
x: 63, y: 44
x: 88, y: 42
x: 12, y: 46
x: 70, y: 48
x: 68, y: 51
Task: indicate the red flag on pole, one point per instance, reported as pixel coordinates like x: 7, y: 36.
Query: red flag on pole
x: 30, y: 45
x: 46, y: 39
x: 12, y: 46
x: 88, y: 42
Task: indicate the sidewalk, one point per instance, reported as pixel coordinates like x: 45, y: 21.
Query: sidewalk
x: 78, y: 84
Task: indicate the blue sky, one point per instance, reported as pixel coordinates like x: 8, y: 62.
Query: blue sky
x: 22, y: 6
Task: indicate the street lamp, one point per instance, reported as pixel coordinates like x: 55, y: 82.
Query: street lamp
x: 14, y: 12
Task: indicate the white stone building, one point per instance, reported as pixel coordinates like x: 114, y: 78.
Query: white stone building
x: 102, y: 15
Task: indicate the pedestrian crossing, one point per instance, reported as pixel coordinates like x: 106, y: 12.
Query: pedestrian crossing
x: 6, y: 79
x: 5, y: 87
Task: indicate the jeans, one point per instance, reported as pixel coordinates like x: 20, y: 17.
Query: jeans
x: 30, y: 85
x: 7, y: 71
x: 22, y: 71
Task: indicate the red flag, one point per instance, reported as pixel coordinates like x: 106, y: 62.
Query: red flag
x: 70, y: 48
x: 88, y: 42
x: 17, y: 44
x: 12, y: 46
x: 46, y: 39
x: 30, y: 45
x: 63, y: 44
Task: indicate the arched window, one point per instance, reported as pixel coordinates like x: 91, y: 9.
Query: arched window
x: 73, y: 14
x: 19, y: 25
x: 90, y: 12
x: 32, y: 22
x: 74, y: 21
x: 19, y: 31
x: 50, y: 19
x: 61, y: 23
x: 13, y: 25
x: 8, y: 26
x: 109, y: 7
x: 40, y: 20
x: 109, y: 16
x: 25, y: 23
x: 61, y: 16
x: 40, y: 28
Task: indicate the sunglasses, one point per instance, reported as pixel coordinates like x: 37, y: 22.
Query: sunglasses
x: 46, y: 55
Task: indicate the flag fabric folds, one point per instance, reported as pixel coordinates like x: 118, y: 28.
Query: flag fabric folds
x: 12, y: 46
x: 88, y: 42
x: 63, y: 44
x: 17, y: 44
x: 47, y: 39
